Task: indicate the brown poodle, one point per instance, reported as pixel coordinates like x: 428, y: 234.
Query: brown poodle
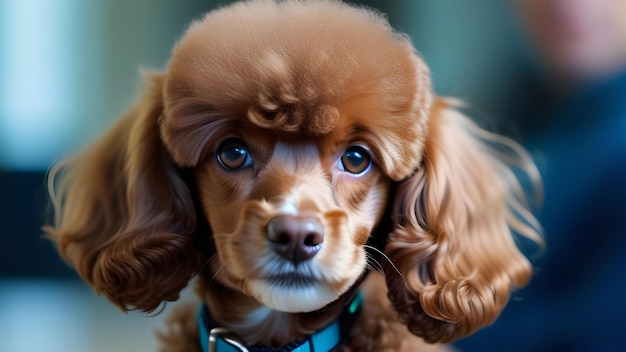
x: 290, y: 148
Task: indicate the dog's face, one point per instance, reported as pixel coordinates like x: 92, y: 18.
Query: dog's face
x: 304, y: 135
x: 290, y: 217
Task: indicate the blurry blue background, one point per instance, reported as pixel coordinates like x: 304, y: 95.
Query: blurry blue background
x: 69, y: 68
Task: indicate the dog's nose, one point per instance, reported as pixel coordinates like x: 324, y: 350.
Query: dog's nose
x: 295, y: 238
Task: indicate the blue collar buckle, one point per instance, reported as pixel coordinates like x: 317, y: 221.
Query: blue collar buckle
x: 218, y: 336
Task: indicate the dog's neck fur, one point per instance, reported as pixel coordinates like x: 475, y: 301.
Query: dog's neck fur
x: 257, y: 324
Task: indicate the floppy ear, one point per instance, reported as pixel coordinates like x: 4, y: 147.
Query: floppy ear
x: 124, y: 216
x: 453, y: 242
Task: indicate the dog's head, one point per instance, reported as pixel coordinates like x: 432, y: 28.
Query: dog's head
x: 295, y: 129
x: 295, y: 121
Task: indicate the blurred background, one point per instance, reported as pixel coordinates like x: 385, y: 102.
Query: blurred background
x: 69, y: 68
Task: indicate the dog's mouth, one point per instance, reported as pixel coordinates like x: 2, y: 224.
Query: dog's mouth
x: 293, y: 292
x: 293, y: 280
x: 297, y: 289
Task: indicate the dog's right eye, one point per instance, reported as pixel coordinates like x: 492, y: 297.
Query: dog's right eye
x: 356, y: 160
x: 233, y: 155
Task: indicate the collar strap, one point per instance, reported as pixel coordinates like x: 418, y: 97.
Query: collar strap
x: 215, y: 339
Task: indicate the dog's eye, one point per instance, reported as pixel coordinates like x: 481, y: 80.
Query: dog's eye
x: 355, y: 160
x: 233, y: 155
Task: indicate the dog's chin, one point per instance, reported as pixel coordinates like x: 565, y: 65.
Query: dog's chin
x: 293, y: 296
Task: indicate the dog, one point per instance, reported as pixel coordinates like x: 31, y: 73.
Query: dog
x: 294, y: 162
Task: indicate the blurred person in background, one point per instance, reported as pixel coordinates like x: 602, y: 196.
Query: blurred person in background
x: 575, y: 127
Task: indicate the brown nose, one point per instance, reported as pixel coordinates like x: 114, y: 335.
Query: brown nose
x: 295, y: 238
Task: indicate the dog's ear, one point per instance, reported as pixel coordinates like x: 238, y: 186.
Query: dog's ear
x: 453, y: 239
x: 124, y: 216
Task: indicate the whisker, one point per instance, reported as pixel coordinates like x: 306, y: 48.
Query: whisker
x: 204, y: 242
x: 206, y: 262
x: 373, y: 264
x: 217, y: 272
x: 386, y: 257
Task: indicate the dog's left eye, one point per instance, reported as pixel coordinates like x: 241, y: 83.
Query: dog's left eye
x: 233, y: 155
x: 355, y: 160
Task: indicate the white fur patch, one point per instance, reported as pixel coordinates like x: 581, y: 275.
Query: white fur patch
x: 293, y: 299
x: 288, y: 208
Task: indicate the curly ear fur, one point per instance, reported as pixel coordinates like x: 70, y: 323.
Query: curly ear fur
x: 453, y: 241
x: 124, y: 217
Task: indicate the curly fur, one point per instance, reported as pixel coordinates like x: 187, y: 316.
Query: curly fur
x: 148, y: 207
x: 453, y: 242
x: 127, y: 218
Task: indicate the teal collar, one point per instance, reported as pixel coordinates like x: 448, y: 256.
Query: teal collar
x: 216, y: 339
